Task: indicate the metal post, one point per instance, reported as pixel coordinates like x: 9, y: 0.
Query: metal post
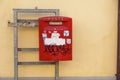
x: 118, y: 49
x: 15, y: 47
x: 57, y: 12
x: 57, y: 63
x: 57, y: 70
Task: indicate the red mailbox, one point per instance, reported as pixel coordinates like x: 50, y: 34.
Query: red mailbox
x: 55, y: 38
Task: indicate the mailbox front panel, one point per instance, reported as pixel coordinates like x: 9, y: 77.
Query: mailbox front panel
x: 55, y: 38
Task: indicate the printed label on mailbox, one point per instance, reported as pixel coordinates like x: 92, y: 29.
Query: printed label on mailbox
x: 55, y: 38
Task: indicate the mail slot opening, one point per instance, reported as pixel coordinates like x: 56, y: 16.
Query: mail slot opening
x: 55, y: 23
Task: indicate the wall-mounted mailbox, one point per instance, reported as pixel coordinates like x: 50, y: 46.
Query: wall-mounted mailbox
x: 55, y: 38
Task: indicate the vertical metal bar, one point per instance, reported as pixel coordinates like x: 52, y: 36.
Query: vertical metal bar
x: 57, y: 63
x: 118, y: 53
x: 57, y: 70
x: 15, y: 47
x: 57, y: 12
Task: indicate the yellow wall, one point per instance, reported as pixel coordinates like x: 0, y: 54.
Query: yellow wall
x: 94, y: 38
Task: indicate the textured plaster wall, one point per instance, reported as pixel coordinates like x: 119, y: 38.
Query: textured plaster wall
x: 94, y: 38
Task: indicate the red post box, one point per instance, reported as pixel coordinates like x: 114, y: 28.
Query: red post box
x: 55, y: 38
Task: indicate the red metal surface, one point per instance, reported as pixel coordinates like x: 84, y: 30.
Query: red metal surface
x: 55, y: 38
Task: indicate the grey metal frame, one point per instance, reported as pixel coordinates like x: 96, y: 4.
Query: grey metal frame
x: 16, y: 49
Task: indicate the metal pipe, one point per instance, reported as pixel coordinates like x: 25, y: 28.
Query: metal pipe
x: 57, y: 70
x: 15, y: 47
x: 57, y: 63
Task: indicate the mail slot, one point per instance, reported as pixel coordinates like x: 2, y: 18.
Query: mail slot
x: 55, y: 38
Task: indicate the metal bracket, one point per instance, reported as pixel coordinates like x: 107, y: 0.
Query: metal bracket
x: 28, y: 23
x: 23, y: 23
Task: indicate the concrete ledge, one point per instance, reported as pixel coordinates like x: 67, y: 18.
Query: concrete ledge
x: 64, y: 78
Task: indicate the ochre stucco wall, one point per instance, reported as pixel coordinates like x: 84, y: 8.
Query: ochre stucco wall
x: 94, y: 38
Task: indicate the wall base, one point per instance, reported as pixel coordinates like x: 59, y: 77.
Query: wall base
x: 64, y: 78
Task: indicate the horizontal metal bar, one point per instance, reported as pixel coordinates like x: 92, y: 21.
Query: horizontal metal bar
x: 23, y: 24
x: 36, y: 10
x: 35, y: 63
x: 28, y: 49
x: 28, y: 20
